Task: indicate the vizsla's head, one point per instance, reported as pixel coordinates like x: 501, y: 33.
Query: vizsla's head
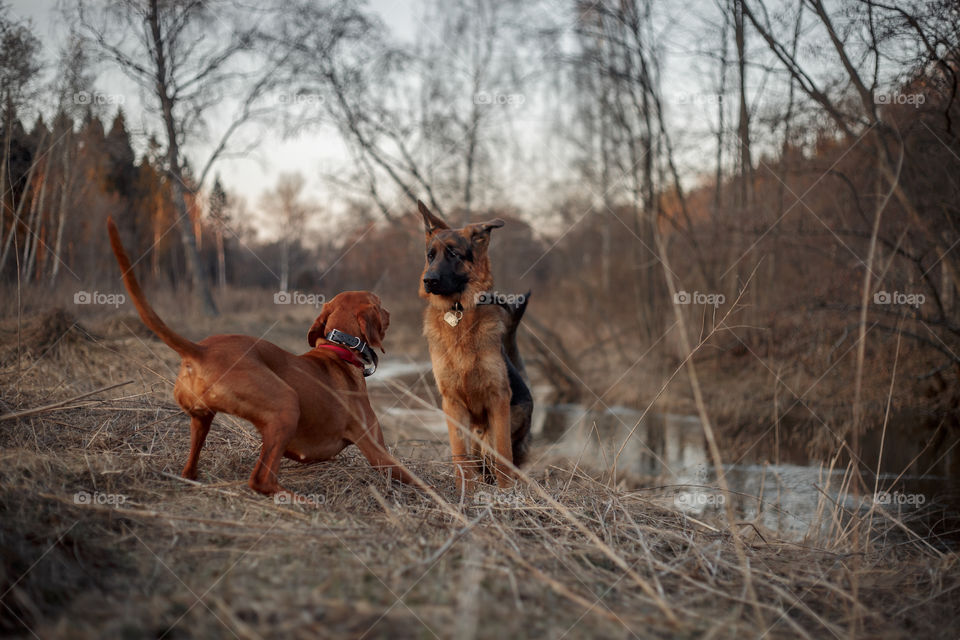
x: 355, y: 312
x: 457, y: 267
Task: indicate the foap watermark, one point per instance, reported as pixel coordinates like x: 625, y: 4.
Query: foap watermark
x: 298, y: 297
x: 897, y: 498
x: 98, y: 498
x: 86, y: 297
x: 499, y: 499
x: 698, y: 499
x: 707, y: 99
x: 300, y: 98
x: 497, y: 98
x: 285, y: 497
x: 96, y: 98
x: 713, y: 299
x: 898, y: 297
x: 912, y: 99
x: 495, y: 297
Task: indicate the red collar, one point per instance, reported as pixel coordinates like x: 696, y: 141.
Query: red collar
x: 345, y: 354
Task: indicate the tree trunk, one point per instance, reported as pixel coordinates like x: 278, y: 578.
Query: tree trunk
x: 471, y: 157
x: 201, y: 287
x: 157, y: 237
x: 606, y: 152
x: 66, y: 179
x: 3, y: 179
x: 18, y: 213
x: 36, y: 221
x: 285, y: 264
x: 721, y: 124
x: 221, y: 261
x: 743, y: 128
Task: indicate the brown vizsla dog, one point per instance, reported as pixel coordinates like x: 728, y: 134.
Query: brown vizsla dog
x: 307, y: 407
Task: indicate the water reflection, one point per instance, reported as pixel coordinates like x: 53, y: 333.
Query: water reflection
x: 795, y: 501
x: 664, y: 445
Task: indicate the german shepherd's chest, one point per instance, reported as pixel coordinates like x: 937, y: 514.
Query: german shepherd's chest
x: 467, y: 359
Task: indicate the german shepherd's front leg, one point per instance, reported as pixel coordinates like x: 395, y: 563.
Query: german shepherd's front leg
x: 502, y: 442
x: 464, y: 463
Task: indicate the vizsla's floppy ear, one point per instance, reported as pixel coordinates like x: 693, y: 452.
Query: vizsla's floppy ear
x: 384, y: 322
x: 480, y: 232
x: 431, y: 223
x: 373, y: 321
x: 319, y: 328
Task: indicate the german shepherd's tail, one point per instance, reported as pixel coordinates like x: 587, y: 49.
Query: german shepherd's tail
x: 150, y: 318
x: 521, y: 400
x: 514, y: 316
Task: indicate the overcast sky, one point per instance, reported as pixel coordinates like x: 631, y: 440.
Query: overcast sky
x: 689, y: 77
x: 311, y: 153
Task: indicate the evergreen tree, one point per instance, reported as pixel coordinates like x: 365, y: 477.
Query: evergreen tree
x: 121, y: 170
x: 218, y: 215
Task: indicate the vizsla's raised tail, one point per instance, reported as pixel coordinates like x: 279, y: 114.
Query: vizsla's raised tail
x: 150, y: 318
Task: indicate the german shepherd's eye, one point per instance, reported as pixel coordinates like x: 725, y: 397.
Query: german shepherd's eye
x: 431, y: 255
x: 453, y: 254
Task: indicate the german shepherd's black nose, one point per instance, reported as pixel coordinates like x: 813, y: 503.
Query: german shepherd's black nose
x: 430, y: 283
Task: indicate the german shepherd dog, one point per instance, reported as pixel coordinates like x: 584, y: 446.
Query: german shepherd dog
x: 473, y: 348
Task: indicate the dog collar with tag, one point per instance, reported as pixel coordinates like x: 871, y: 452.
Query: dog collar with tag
x: 455, y: 314
x: 354, y: 347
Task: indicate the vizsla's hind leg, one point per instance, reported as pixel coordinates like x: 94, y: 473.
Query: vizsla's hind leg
x: 278, y: 429
x: 274, y: 409
x: 199, y: 427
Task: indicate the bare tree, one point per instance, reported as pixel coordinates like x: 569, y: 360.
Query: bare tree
x: 74, y: 79
x: 721, y: 127
x: 618, y: 87
x: 861, y: 42
x: 424, y: 121
x: 187, y: 57
x: 475, y: 68
x: 743, y: 123
x: 19, y: 66
x: 218, y: 213
x: 286, y: 206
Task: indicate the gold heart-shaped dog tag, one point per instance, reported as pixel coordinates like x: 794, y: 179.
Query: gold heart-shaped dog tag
x: 451, y: 318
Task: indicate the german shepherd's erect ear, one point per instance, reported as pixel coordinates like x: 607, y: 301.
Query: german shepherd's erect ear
x: 480, y: 231
x: 431, y: 223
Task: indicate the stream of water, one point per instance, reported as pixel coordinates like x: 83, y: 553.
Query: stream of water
x: 793, y: 500
x: 667, y: 454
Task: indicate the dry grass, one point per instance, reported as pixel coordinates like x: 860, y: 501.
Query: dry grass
x: 213, y: 559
